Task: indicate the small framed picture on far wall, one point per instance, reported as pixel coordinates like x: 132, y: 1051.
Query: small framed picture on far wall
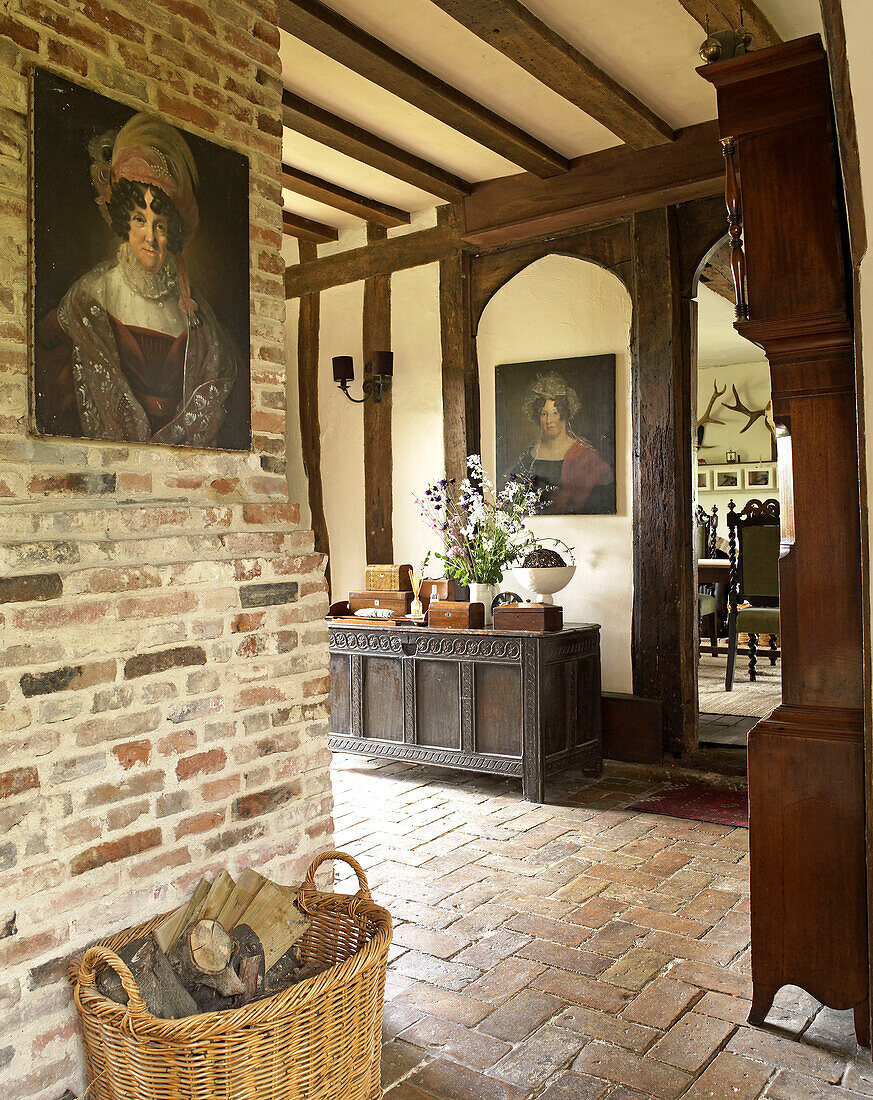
x: 729, y: 478
x: 704, y: 480
x: 764, y: 477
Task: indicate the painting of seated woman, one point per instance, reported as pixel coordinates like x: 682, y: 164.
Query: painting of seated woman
x: 141, y: 294
x: 556, y: 427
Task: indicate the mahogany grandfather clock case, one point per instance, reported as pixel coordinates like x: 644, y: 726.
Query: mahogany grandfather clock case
x: 806, y: 762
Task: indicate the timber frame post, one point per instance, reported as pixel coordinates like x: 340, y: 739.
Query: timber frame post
x: 665, y: 602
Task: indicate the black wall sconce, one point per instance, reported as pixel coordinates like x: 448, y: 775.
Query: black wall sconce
x: 378, y: 382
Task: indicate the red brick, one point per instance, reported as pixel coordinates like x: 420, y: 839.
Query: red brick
x: 264, y: 802
x: 224, y: 486
x: 187, y: 111
x: 259, y: 696
x: 114, y: 850
x: 200, y: 823
x: 22, y: 36
x: 177, y: 742
x: 134, y: 752
x: 160, y: 864
x: 248, y: 620
x: 271, y: 513
x: 14, y: 951
x: 134, y: 483
x: 42, y: 618
x: 122, y: 580
x: 18, y: 780
x: 144, y: 607
x: 219, y: 789
x: 202, y: 763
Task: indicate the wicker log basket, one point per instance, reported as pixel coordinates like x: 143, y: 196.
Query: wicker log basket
x: 318, y: 1040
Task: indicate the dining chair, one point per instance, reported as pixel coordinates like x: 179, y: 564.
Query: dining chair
x: 704, y: 547
x: 753, y: 550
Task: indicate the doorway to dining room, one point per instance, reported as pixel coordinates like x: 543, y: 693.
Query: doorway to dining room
x: 735, y: 510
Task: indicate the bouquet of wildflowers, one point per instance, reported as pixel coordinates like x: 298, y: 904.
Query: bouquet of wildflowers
x: 482, y: 531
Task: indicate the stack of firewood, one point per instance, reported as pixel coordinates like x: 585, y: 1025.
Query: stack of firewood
x: 230, y: 944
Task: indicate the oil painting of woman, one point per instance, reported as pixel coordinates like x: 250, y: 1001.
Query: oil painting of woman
x: 571, y: 473
x: 132, y: 352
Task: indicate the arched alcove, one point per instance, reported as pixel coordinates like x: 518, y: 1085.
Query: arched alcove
x: 559, y: 307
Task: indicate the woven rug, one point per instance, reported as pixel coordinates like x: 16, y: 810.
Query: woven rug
x: 754, y: 700
x: 698, y: 802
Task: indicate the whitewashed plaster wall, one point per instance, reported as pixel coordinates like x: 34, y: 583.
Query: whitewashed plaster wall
x: 342, y: 438
x: 417, y: 435
x: 557, y: 308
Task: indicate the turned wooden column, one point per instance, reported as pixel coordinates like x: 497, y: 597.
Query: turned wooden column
x: 806, y: 765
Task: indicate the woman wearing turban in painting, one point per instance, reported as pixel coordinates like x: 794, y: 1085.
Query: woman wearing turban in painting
x: 565, y: 468
x: 129, y: 354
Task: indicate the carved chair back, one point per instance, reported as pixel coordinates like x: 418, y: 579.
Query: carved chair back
x: 753, y: 549
x: 705, y: 528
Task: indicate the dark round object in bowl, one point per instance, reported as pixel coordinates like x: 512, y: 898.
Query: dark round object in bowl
x: 543, y: 559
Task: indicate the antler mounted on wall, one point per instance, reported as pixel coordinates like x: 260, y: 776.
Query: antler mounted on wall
x: 707, y: 417
x: 753, y: 414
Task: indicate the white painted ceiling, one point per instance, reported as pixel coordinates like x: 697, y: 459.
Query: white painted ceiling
x: 649, y: 46
x: 718, y: 342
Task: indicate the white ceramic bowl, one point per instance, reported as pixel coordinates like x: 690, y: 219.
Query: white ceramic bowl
x: 544, y: 582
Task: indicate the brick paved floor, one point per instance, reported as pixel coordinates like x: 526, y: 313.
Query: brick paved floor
x: 572, y: 951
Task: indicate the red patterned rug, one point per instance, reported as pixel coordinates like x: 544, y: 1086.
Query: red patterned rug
x: 699, y: 803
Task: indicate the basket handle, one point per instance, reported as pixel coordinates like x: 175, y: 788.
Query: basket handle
x: 363, y: 885
x: 94, y: 959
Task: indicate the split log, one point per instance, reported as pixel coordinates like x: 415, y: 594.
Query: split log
x: 163, y: 993
x: 171, y: 927
x: 220, y: 890
x: 202, y: 957
x: 279, y: 976
x: 248, y: 961
x: 276, y: 920
x: 247, y: 887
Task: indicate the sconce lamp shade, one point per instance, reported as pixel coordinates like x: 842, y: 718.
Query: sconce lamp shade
x: 383, y: 363
x: 343, y: 368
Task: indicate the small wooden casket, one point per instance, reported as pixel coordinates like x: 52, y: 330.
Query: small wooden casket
x: 449, y: 613
x: 388, y: 578
x: 436, y: 589
x: 539, y: 618
x: 398, y: 602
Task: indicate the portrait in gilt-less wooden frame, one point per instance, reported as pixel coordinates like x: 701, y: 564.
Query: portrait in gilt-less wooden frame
x: 555, y: 423
x: 139, y: 325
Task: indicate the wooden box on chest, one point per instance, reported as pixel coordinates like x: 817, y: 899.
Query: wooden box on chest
x: 493, y: 701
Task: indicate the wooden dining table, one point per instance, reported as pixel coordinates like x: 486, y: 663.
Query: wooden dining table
x: 713, y: 570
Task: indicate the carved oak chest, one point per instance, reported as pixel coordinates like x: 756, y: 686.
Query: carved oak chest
x: 498, y: 701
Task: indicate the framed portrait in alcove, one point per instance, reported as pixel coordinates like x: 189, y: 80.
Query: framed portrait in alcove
x: 139, y: 268
x: 555, y: 424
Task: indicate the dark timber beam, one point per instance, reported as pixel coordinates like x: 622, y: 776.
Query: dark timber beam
x: 378, y: 258
x: 460, y: 366
x: 378, y: 461
x: 340, y: 198
x: 307, y: 390
x: 598, y: 187
x: 511, y: 28
x: 307, y: 229
x: 324, y: 29
x: 329, y: 129
x: 725, y: 15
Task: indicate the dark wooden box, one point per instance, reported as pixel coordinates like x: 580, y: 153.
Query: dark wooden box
x: 394, y: 601
x: 448, y: 613
x: 539, y: 618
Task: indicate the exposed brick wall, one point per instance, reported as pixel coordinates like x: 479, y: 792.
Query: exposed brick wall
x: 163, y: 655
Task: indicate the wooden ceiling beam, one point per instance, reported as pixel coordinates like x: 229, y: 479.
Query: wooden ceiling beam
x: 328, y: 31
x: 598, y: 187
x: 306, y: 229
x: 511, y: 28
x: 340, y: 198
x: 725, y: 15
x: 426, y: 246
x: 315, y: 122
